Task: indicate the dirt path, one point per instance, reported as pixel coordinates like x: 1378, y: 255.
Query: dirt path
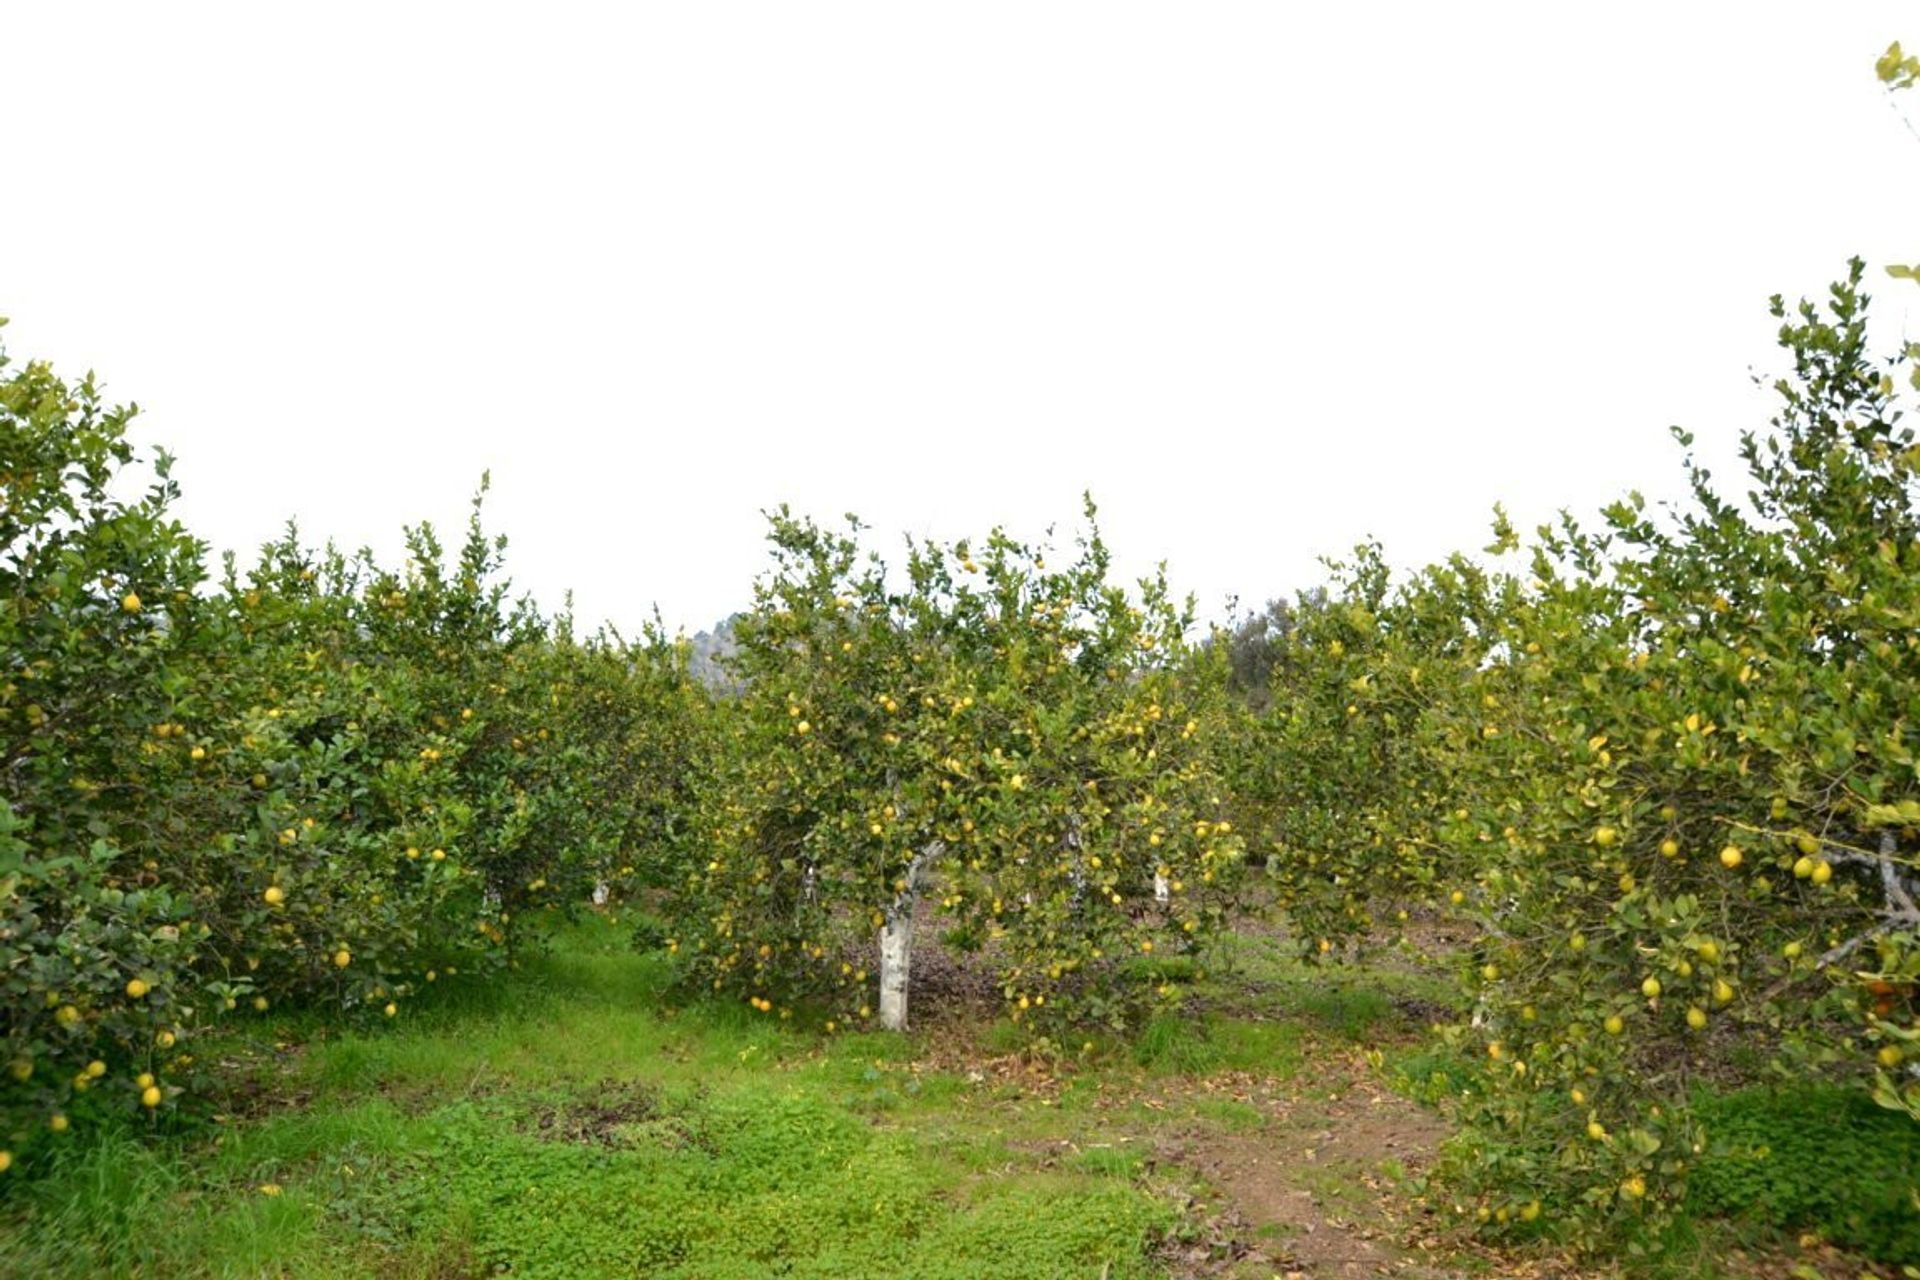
x: 1318, y: 1192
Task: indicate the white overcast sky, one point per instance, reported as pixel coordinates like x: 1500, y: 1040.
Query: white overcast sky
x: 1266, y: 278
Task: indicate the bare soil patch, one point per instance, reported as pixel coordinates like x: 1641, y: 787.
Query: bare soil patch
x: 601, y: 1119
x: 1318, y: 1189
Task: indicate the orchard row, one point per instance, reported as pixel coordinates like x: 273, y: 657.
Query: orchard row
x: 1664, y: 765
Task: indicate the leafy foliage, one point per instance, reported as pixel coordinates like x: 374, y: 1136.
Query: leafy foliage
x: 1813, y: 1158
x: 1031, y: 736
x: 1665, y: 769
x: 321, y: 781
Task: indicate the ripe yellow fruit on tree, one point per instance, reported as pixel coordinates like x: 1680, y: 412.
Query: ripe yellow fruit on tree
x: 1731, y: 857
x: 130, y: 603
x: 274, y: 895
x: 342, y: 958
x: 1822, y: 872
x: 136, y: 988
x: 150, y: 1096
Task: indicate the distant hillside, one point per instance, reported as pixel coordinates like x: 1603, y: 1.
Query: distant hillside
x: 708, y: 654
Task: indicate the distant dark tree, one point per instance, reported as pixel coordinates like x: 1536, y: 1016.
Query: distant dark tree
x: 1254, y: 644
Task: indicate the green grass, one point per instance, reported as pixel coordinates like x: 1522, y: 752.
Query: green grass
x: 1813, y: 1157
x: 569, y: 1123
x: 1389, y: 999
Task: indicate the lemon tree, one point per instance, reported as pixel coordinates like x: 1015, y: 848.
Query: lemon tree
x: 1334, y: 769
x: 94, y: 945
x: 1014, y: 738
x: 320, y: 780
x: 1666, y: 767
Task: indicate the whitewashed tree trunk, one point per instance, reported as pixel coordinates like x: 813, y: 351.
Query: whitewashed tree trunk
x: 1076, y: 872
x: 600, y: 893
x: 1162, y: 891
x: 896, y: 942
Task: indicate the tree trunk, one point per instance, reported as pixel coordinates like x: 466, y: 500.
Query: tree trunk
x: 896, y: 942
